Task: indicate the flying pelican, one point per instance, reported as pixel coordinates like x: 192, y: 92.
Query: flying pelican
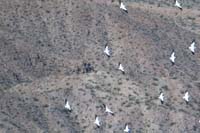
x: 107, y: 51
x: 121, y: 68
x: 126, y: 129
x: 161, y: 97
x: 186, y: 97
x: 178, y: 4
x: 172, y: 57
x: 192, y: 47
x: 67, y: 106
x: 122, y: 6
x: 97, y: 121
x: 108, y: 110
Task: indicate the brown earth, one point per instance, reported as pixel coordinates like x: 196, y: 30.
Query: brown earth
x: 44, y: 43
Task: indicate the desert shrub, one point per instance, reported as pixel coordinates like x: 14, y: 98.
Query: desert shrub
x: 154, y: 84
x: 155, y: 79
x: 165, y: 87
x: 128, y: 105
x: 172, y: 123
x: 117, y: 89
x: 192, y: 18
x: 120, y: 110
x: 119, y: 83
x: 137, y: 101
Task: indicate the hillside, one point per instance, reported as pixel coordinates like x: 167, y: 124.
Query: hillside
x: 44, y: 44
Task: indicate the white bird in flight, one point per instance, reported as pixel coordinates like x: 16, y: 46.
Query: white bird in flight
x: 126, y: 129
x: 161, y: 97
x: 192, y: 47
x: 108, y: 110
x: 67, y: 106
x: 172, y: 57
x: 123, y: 7
x: 178, y: 4
x: 107, y: 51
x: 186, y: 97
x: 121, y: 68
x: 97, y: 121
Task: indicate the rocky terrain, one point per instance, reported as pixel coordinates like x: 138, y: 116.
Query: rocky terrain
x: 44, y: 44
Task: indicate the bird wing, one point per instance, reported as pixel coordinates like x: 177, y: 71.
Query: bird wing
x: 173, y: 54
x: 193, y: 44
x: 178, y: 4
x: 97, y: 121
x: 122, y: 6
x: 105, y: 49
x: 161, y: 96
x: 126, y: 128
x: 121, y: 67
x: 110, y: 111
x: 186, y: 96
x: 67, y: 105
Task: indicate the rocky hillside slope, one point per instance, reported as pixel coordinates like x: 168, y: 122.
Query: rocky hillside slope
x: 44, y: 44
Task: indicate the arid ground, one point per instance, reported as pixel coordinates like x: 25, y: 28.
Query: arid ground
x: 44, y: 44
